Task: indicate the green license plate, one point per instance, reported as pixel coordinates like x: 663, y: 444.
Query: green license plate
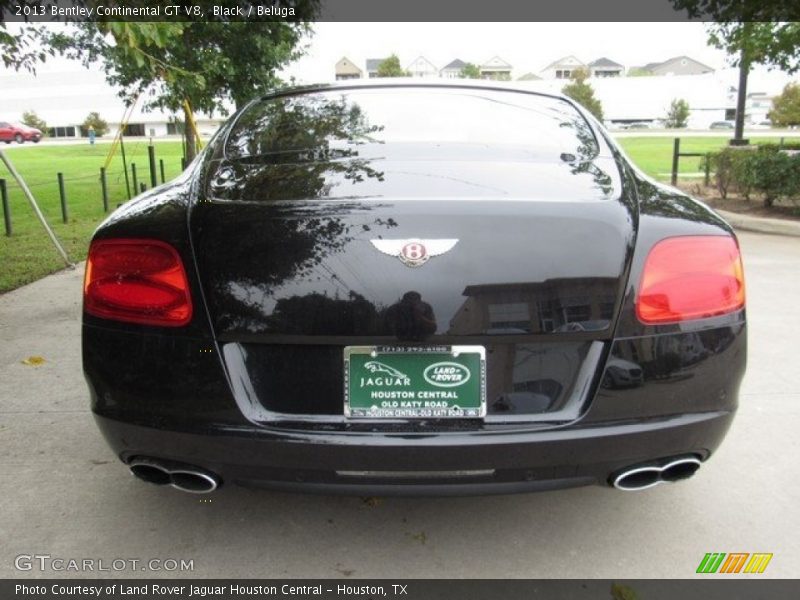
x: 406, y: 382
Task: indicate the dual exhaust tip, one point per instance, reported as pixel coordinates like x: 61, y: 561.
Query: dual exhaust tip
x: 182, y: 477
x: 643, y: 477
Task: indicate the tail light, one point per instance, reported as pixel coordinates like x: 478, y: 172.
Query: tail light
x: 139, y: 281
x: 691, y: 277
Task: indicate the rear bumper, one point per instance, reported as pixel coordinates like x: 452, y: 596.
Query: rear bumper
x: 429, y: 464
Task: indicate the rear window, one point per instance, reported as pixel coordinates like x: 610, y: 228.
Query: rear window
x: 379, y: 121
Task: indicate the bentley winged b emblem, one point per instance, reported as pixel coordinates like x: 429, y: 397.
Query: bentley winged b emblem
x: 414, y: 252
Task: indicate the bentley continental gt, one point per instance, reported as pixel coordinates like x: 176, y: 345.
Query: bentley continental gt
x: 399, y: 287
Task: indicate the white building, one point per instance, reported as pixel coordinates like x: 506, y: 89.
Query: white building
x: 563, y: 68
x: 422, y: 67
x: 452, y: 70
x: 64, y: 94
x: 711, y: 96
x: 495, y: 68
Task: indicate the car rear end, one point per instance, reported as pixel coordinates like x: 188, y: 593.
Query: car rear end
x: 413, y: 289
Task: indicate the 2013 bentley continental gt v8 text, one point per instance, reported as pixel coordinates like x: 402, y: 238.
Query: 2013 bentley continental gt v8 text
x: 410, y: 288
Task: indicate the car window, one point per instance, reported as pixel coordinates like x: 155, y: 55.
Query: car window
x: 474, y: 123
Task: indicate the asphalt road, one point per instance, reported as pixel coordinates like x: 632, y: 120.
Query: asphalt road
x: 64, y: 494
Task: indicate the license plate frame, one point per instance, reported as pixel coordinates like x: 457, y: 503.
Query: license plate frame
x: 436, y: 381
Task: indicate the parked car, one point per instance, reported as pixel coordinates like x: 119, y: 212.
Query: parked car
x: 336, y: 293
x: 722, y: 125
x: 17, y: 132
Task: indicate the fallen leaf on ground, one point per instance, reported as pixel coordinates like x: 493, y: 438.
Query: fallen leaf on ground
x: 33, y: 361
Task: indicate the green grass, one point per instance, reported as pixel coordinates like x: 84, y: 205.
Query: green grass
x: 654, y: 154
x: 28, y: 254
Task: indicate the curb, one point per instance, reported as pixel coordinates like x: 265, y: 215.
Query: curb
x: 761, y: 224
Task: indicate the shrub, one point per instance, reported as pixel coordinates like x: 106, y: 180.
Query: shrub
x: 769, y: 170
x: 677, y: 114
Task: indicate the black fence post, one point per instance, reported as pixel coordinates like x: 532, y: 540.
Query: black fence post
x: 708, y: 169
x: 62, y: 192
x: 183, y: 163
x: 676, y: 149
x: 135, y: 179
x: 161, y: 165
x: 6, y: 207
x: 104, y: 188
x: 125, y: 167
x: 151, y: 155
x: 142, y: 188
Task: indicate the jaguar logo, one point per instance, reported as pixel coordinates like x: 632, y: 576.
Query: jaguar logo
x: 383, y: 375
x: 374, y: 366
x: 414, y: 252
x: 446, y: 374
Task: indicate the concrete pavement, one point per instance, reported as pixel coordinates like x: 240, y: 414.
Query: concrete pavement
x: 66, y: 495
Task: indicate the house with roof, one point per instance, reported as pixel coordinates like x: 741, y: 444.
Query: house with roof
x: 563, y: 68
x: 347, y: 69
x: 452, y: 70
x: 677, y: 65
x: 495, y: 68
x: 422, y: 67
x: 372, y: 66
x: 605, y: 67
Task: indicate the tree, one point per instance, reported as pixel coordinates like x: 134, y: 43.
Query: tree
x: 470, y: 71
x: 752, y: 32
x: 390, y: 67
x: 31, y: 119
x: 678, y: 114
x: 583, y: 94
x: 21, y: 50
x: 192, y: 65
x: 786, y: 107
x: 93, y: 120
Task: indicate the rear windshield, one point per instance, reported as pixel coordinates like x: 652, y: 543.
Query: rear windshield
x: 378, y: 121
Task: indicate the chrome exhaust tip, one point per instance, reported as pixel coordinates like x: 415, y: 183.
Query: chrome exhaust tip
x: 150, y: 473
x: 185, y: 478
x: 194, y: 482
x: 647, y: 476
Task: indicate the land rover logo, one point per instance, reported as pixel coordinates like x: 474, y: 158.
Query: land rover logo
x: 446, y: 374
x: 414, y: 252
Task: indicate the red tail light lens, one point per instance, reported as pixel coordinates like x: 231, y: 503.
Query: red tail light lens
x: 691, y: 277
x: 139, y: 281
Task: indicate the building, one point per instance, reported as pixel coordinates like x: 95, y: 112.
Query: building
x: 757, y: 107
x: 452, y: 70
x: 372, y: 66
x: 605, y: 67
x: 563, y: 68
x: 495, y: 68
x: 64, y: 95
x: 346, y: 69
x: 422, y: 67
x: 678, y: 65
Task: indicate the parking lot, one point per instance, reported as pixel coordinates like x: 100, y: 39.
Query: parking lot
x: 66, y: 495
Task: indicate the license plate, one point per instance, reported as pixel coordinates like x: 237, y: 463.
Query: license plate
x: 407, y: 382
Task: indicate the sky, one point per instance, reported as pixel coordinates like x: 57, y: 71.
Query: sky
x: 528, y: 47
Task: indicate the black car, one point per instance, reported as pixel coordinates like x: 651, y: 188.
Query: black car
x: 413, y: 288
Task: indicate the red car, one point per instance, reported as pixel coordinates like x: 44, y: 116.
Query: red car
x: 16, y: 132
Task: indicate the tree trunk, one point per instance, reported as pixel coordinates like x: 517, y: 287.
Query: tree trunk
x: 191, y: 142
x: 741, y: 98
